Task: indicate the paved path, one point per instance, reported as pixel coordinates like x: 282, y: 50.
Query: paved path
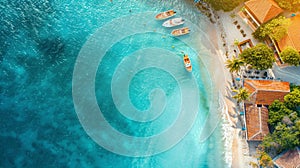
x: 290, y: 74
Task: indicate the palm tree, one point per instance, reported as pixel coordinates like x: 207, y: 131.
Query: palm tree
x: 235, y: 64
x: 242, y: 94
x: 253, y: 165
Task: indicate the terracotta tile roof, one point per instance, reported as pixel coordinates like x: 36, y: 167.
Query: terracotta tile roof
x: 289, y: 159
x: 263, y: 10
x: 250, y: 88
x: 293, y: 35
x: 257, y: 122
x: 266, y: 91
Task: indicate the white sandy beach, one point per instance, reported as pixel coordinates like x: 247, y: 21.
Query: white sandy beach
x: 225, y: 26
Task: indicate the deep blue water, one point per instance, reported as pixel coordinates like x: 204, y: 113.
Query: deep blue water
x: 40, y: 42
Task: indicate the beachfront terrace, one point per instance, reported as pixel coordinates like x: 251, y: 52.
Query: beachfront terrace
x: 257, y: 74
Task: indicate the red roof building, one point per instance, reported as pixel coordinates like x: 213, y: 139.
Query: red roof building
x: 257, y: 12
x: 262, y: 94
x: 288, y: 159
x: 293, y: 35
x: 266, y: 91
x: 257, y: 122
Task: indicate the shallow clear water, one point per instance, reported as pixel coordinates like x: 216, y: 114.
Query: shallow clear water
x: 40, y: 42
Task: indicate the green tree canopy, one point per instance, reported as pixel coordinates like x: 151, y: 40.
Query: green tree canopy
x: 268, y: 144
x: 277, y: 110
x: 275, y: 29
x: 235, y: 64
x: 294, y: 86
x: 290, y: 56
x: 292, y: 100
x: 242, y: 94
x: 285, y: 123
x: 291, y: 5
x: 225, y: 5
x: 284, y: 137
x: 259, y: 57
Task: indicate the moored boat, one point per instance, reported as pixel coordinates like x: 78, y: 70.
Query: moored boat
x: 181, y: 31
x: 173, y: 22
x: 165, y: 15
x: 187, y: 63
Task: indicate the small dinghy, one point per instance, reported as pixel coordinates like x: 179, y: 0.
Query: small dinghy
x: 180, y: 32
x: 173, y: 22
x: 187, y: 63
x: 165, y: 15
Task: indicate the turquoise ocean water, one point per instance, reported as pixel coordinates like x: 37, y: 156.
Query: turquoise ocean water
x: 40, y: 42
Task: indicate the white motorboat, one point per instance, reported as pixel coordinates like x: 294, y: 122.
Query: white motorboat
x: 173, y: 22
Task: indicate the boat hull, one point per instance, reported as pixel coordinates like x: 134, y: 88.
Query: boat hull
x: 180, y: 32
x: 187, y: 63
x: 173, y: 22
x: 165, y: 15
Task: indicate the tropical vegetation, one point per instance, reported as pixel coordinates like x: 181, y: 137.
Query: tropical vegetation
x: 291, y: 5
x: 284, y: 120
x: 290, y: 56
x: 242, y: 94
x: 292, y: 100
x: 265, y: 160
x: 225, y: 5
x: 259, y: 57
x: 253, y: 164
x: 275, y: 29
x: 234, y: 64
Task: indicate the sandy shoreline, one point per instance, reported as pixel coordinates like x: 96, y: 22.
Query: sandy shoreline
x: 223, y: 37
x: 226, y: 34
